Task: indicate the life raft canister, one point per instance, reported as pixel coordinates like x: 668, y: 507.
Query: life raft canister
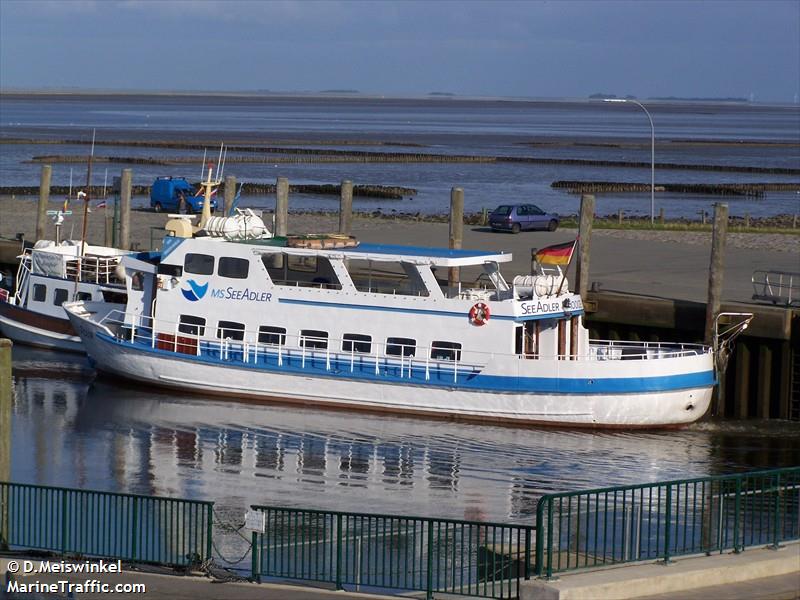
x: 479, y: 314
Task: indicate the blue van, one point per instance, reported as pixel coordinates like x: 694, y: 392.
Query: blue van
x: 166, y: 193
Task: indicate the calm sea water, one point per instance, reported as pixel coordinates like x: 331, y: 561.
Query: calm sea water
x: 737, y: 135
x: 71, y: 430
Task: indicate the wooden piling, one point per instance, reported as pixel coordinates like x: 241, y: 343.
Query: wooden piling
x: 230, y: 194
x: 747, y: 220
x: 661, y: 215
x: 6, y: 395
x: 6, y: 400
x: 716, y: 268
x: 456, y: 233
x: 584, y: 245
x: 764, y: 381
x: 346, y: 208
x: 620, y: 216
x: 281, y: 206
x: 741, y: 400
x: 44, y: 202
x: 125, y: 209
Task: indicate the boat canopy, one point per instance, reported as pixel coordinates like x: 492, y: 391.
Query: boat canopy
x: 443, y: 257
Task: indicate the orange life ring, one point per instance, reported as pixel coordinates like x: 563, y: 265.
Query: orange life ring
x: 479, y: 314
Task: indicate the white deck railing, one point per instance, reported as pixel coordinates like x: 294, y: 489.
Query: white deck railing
x: 778, y: 287
x: 245, y: 346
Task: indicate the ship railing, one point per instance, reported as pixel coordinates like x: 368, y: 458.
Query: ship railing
x: 23, y: 275
x: 94, y: 269
x: 357, y: 355
x: 304, y: 351
x: 778, y: 287
x: 627, y: 350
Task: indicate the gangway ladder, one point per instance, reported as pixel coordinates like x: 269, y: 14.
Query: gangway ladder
x: 778, y: 287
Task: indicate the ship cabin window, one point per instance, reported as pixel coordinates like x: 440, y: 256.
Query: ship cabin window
x: 446, y: 351
x: 230, y: 330
x: 274, y: 336
x: 397, y: 346
x: 39, y: 292
x: 233, y: 268
x: 192, y: 325
x: 355, y: 342
x: 83, y: 296
x: 199, y: 264
x: 61, y: 295
x: 301, y: 271
x: 114, y: 297
x: 137, y: 282
x: 397, y: 278
x: 313, y: 338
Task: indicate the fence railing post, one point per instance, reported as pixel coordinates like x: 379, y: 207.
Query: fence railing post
x: 339, y: 552
x: 134, y: 522
x: 527, y: 553
x: 429, y: 578
x: 736, y: 509
x: 777, y: 518
x: 209, y: 529
x: 549, y: 538
x: 255, y: 562
x: 539, y: 539
x: 668, y: 524
x: 64, y: 521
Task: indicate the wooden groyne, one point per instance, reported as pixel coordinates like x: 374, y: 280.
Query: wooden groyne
x: 388, y: 192
x: 751, y: 190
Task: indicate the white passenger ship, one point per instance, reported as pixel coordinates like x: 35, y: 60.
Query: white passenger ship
x: 371, y: 327
x: 50, y: 274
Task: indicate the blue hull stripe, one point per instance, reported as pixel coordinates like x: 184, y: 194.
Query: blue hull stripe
x: 422, y: 311
x: 440, y: 376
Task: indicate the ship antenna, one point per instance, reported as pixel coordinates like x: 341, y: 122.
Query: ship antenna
x: 203, y: 164
x: 85, y: 215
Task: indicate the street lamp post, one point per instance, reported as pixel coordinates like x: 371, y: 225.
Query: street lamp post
x: 652, y: 154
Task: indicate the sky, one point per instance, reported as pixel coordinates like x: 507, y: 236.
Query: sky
x: 746, y: 49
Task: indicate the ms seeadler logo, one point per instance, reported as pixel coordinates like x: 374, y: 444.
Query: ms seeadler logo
x: 195, y: 292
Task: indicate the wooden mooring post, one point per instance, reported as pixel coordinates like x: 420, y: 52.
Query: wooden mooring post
x: 6, y: 399
x: 281, y: 206
x: 716, y: 270
x: 230, y: 194
x: 584, y: 245
x: 44, y: 202
x: 125, y: 209
x: 346, y: 207
x: 456, y: 234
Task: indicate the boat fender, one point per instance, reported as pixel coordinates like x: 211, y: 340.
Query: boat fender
x: 479, y: 314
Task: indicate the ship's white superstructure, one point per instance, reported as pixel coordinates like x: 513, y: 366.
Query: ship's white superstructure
x: 373, y: 326
x: 50, y: 274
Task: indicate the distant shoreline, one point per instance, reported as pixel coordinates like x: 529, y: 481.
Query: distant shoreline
x: 433, y: 97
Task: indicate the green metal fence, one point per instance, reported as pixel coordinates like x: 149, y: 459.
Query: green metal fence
x: 661, y: 520
x: 396, y: 552
x: 149, y: 529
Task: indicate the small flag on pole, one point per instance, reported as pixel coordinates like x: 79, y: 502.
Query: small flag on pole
x: 101, y: 204
x: 559, y: 254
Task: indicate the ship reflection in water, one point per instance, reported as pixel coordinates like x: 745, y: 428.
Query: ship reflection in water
x: 70, y: 431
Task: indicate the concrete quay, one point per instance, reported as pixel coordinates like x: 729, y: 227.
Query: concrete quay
x: 754, y: 573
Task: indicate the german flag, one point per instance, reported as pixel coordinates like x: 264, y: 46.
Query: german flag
x: 560, y: 254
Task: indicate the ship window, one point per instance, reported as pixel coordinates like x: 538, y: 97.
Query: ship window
x: 396, y: 346
x: 230, y: 330
x: 114, y: 297
x: 39, y: 292
x: 446, y: 351
x: 199, y: 264
x: 192, y: 325
x: 171, y: 270
x: 313, y: 338
x: 275, y: 336
x: 137, y: 282
x: 235, y: 268
x: 60, y: 296
x: 301, y: 271
x: 396, y: 278
x: 355, y: 342
x: 83, y: 296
